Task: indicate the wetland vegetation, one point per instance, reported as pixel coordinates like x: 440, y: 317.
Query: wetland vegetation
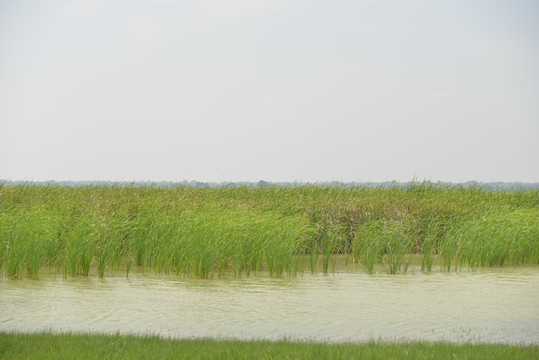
x: 207, y: 232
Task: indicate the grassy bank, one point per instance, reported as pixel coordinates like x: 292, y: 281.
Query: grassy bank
x: 208, y: 231
x: 83, y: 346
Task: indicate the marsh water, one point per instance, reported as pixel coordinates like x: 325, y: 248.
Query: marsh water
x: 485, y: 305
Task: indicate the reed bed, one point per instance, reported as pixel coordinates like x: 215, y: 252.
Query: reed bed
x: 207, y: 232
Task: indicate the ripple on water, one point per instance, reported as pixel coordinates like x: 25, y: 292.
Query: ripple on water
x: 487, y: 305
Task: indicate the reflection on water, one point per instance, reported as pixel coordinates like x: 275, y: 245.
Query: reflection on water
x: 487, y: 305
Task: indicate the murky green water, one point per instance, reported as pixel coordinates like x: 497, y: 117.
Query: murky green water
x: 487, y: 305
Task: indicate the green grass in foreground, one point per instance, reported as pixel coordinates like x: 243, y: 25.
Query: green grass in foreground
x: 84, y: 346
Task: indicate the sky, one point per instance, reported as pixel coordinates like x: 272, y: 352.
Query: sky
x: 275, y: 90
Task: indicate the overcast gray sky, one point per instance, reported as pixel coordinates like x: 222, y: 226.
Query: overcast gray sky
x: 213, y: 90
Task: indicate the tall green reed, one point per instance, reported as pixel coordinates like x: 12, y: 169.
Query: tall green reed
x: 211, y: 231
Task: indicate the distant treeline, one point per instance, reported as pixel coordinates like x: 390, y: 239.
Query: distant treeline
x: 209, y: 231
x: 193, y: 183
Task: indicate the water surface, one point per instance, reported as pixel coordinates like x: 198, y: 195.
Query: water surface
x: 487, y: 305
